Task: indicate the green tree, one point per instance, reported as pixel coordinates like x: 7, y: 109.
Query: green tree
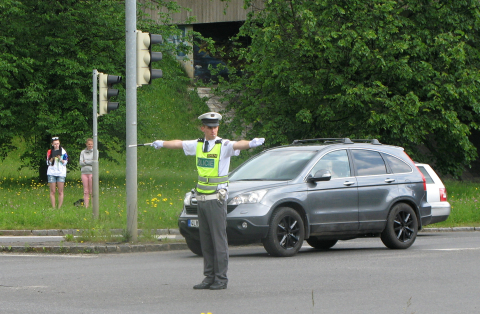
x: 405, y: 72
x: 48, y: 50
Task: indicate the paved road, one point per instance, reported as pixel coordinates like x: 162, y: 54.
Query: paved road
x: 439, y: 274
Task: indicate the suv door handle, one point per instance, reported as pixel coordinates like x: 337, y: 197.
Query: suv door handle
x: 348, y: 183
x: 389, y: 180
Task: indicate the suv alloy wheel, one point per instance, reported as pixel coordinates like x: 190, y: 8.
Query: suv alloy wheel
x: 286, y: 233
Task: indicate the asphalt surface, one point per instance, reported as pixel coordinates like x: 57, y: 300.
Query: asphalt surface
x: 438, y: 274
x: 53, y: 241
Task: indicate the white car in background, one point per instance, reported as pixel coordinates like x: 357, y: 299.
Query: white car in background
x: 436, y: 194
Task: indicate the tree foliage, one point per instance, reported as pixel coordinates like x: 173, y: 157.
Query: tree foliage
x: 405, y: 72
x: 48, y: 50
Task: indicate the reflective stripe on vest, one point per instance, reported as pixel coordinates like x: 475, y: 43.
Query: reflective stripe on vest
x: 216, y: 180
x: 207, y: 166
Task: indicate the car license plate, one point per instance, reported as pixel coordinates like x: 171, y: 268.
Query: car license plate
x: 193, y: 223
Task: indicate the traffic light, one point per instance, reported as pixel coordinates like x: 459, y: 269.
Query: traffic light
x: 145, y: 57
x: 106, y: 82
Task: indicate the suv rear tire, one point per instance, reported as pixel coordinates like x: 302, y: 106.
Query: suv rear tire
x: 194, y: 245
x: 286, y: 233
x: 402, y: 227
x: 321, y: 244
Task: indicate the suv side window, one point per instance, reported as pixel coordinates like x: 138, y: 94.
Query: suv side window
x: 397, y: 165
x: 336, y: 162
x: 368, y: 162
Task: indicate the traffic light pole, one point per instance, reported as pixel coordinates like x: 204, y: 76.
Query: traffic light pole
x: 131, y: 112
x: 95, y: 171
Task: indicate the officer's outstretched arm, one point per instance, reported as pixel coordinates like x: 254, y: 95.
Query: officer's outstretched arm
x: 174, y: 144
x: 242, y: 145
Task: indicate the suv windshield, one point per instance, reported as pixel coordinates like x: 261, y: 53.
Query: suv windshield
x: 273, y: 165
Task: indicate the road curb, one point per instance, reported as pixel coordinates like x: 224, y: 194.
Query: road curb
x: 170, y: 239
x: 77, y: 232
x: 451, y: 229
x: 94, y: 248
x: 173, y: 239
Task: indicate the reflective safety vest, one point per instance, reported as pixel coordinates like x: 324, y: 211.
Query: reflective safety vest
x: 207, y: 166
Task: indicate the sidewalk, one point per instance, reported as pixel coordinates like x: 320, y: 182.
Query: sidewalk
x: 53, y: 241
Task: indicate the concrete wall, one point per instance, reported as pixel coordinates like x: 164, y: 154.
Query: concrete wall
x: 210, y: 11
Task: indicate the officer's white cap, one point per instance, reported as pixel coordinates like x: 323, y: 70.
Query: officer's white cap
x: 210, y: 118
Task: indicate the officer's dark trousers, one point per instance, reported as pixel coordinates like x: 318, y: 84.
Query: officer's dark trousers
x: 212, y: 218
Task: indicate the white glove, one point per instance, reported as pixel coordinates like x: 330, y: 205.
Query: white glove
x: 157, y: 144
x: 256, y: 142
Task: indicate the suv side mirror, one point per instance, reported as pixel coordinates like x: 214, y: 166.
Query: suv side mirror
x: 320, y: 175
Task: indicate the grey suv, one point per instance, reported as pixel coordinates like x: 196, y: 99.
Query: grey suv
x: 321, y: 191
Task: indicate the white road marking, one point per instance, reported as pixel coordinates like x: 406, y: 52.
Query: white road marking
x: 455, y: 249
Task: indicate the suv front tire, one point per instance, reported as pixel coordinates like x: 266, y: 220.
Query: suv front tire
x: 286, y: 233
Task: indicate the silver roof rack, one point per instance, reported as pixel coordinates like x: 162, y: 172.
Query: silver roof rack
x: 344, y: 140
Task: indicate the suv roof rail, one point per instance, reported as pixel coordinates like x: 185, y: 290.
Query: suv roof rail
x: 344, y: 140
x: 373, y: 141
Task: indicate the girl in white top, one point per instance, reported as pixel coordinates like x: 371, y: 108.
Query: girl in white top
x: 86, y: 158
x: 57, y: 160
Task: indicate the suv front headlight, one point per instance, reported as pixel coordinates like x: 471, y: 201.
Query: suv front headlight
x: 248, y: 198
x: 187, y: 199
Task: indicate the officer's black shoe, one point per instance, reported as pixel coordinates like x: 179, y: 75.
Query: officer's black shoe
x: 203, y: 285
x: 218, y: 286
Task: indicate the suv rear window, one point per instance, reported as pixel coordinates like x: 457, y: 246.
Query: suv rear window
x: 368, y: 162
x: 397, y: 165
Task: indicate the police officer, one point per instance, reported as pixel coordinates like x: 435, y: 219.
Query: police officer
x: 213, y: 162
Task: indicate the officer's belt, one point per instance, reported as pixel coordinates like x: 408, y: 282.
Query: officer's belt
x: 208, y: 197
x: 223, y: 179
